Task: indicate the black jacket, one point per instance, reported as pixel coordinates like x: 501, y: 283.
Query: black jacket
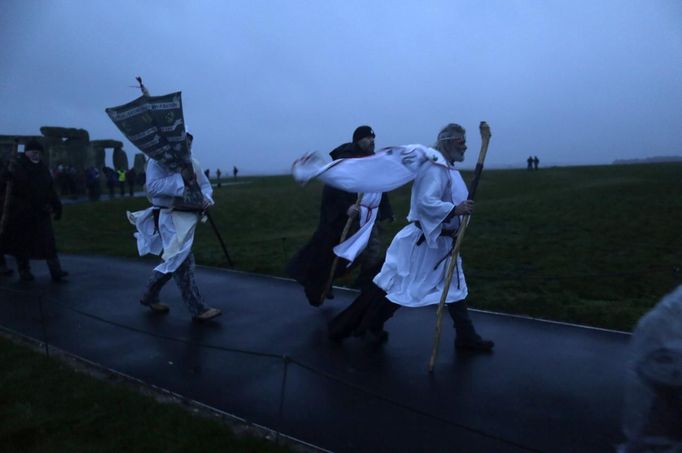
x: 26, y: 228
x: 312, y: 264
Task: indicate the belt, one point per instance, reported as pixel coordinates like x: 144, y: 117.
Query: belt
x: 443, y: 232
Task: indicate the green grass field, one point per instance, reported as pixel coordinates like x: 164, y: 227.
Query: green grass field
x: 45, y: 406
x: 591, y: 245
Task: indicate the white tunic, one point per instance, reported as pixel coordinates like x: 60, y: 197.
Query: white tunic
x: 408, y: 275
x: 176, y: 229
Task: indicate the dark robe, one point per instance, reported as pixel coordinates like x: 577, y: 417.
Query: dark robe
x: 33, y: 200
x: 311, y: 266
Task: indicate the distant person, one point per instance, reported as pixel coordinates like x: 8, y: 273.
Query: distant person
x: 530, y: 162
x: 141, y: 178
x: 121, y: 180
x: 27, y: 224
x: 536, y: 162
x: 170, y: 233
x: 235, y: 170
x: 312, y: 265
x: 93, y: 183
x: 207, y: 172
x: 218, y: 174
x: 131, y: 178
x: 111, y: 180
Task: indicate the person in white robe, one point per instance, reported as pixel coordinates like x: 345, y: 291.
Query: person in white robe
x: 169, y: 232
x: 414, y: 270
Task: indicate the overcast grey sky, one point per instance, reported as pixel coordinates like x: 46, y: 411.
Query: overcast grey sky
x: 573, y: 81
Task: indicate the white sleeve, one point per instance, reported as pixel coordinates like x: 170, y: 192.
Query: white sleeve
x: 161, y: 182
x: 430, y: 185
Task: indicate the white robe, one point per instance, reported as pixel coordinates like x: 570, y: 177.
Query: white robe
x: 354, y: 245
x: 408, y: 274
x: 176, y: 229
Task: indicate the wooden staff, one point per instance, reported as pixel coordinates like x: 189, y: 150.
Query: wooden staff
x: 220, y: 238
x: 485, y: 139
x: 344, y: 233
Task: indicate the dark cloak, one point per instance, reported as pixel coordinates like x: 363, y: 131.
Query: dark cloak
x: 312, y: 264
x: 33, y: 200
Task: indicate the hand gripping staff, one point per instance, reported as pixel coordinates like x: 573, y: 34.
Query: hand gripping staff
x: 335, y: 263
x: 485, y: 139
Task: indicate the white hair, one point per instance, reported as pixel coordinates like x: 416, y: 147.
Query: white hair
x: 449, y: 132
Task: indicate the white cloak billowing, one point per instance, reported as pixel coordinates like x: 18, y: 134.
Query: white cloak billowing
x: 408, y: 275
x: 176, y: 229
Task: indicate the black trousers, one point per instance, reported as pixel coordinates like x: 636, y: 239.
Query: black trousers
x: 371, y: 309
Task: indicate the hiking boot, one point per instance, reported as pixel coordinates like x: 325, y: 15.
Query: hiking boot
x: 157, y: 307
x: 475, y: 345
x: 314, y: 297
x: 207, y: 314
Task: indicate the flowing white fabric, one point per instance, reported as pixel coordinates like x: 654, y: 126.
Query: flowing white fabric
x: 175, y: 235
x: 411, y: 275
x: 386, y: 170
x: 354, y: 245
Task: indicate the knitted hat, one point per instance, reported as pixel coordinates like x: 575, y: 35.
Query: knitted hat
x: 362, y: 132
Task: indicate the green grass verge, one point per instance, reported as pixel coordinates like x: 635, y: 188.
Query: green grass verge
x: 45, y: 406
x: 592, y: 245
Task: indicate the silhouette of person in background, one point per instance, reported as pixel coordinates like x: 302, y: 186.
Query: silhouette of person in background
x: 131, y: 179
x: 218, y: 174
x: 536, y: 162
x: 530, y: 162
x: 235, y: 170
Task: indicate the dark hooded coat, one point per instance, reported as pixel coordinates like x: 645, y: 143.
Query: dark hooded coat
x: 312, y: 264
x: 26, y: 224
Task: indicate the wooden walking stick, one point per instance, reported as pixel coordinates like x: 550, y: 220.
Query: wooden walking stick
x: 220, y: 238
x: 485, y: 139
x: 344, y: 233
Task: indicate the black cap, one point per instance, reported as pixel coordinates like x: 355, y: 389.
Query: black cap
x: 33, y: 145
x: 362, y: 132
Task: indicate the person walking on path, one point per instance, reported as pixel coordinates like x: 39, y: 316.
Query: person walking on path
x: 121, y: 178
x: 31, y: 205
x: 169, y: 232
x: 413, y: 272
x: 218, y: 174
x: 312, y: 265
x: 536, y: 162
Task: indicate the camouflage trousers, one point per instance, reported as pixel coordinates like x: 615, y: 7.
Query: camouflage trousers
x: 184, y: 278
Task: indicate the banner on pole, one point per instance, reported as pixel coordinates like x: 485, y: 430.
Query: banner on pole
x: 156, y: 126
